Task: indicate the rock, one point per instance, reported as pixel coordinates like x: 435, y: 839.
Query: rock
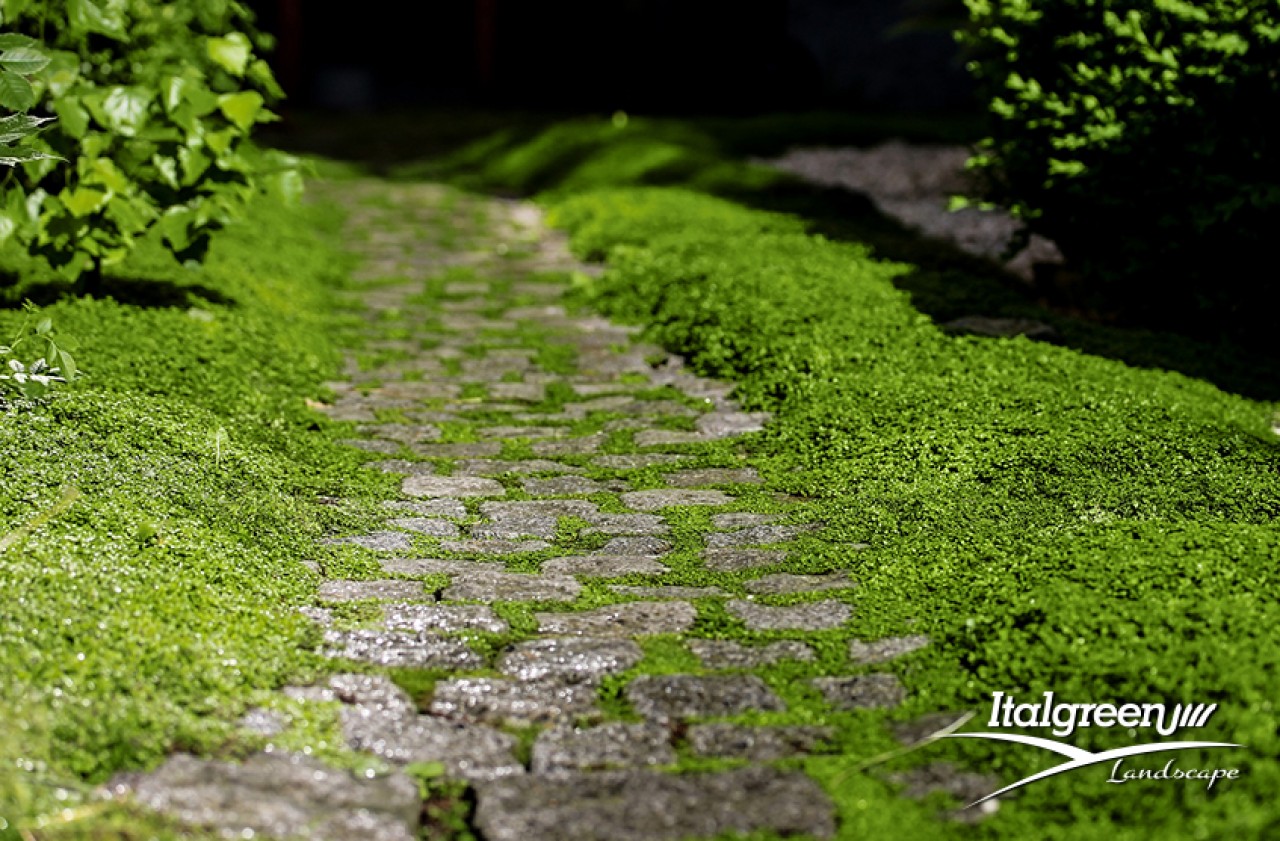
x: 756, y: 536
x: 604, y: 566
x: 499, y: 467
x: 608, y: 746
x: 664, y: 697
x: 626, y: 524
x: 516, y: 527
x: 809, y: 616
x: 473, y: 449
x: 264, y: 722
x: 443, y: 618
x: 669, y: 591
x: 511, y: 511
x: 494, y: 547
x: 728, y: 424
x: 400, y: 650
x: 886, y: 649
x: 727, y: 654
x: 486, y: 586
x: 278, y: 795
x: 781, y: 583
x: 874, y: 691
x: 451, y: 486
x: 426, y: 525
x: 732, y: 560
x: 563, y: 486
x: 634, y: 461
x: 430, y: 507
x: 642, y: 545
x: 516, y: 704
x: 742, y: 519
x: 569, y: 659
x: 757, y: 744
x: 354, y: 591
x: 628, y: 619
x: 378, y: 541
x: 701, y: 477
x: 640, y: 805
x: 654, y: 500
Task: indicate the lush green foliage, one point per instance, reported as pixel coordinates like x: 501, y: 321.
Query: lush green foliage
x: 154, y: 105
x: 144, y: 607
x: 1051, y: 519
x: 1137, y: 135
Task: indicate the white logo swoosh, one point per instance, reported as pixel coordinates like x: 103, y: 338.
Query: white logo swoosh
x: 1079, y: 758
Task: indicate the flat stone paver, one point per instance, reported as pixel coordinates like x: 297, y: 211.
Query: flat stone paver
x: 443, y: 618
x: 607, y: 746
x: 651, y: 806
x: 453, y: 487
x: 569, y: 659
x: 513, y: 703
x: 881, y: 651
x: 810, y: 616
x: 629, y: 619
x: 666, y: 697
x: 654, y: 500
x: 781, y: 583
x: 873, y: 691
x: 495, y: 586
x: 732, y: 560
x: 354, y: 591
x: 728, y: 654
x: 758, y: 744
x: 395, y: 649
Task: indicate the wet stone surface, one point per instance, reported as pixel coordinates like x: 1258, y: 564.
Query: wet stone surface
x: 600, y: 748
x: 651, y: 806
x: 495, y: 586
x: 568, y: 659
x: 758, y: 744
x: 629, y: 619
x: 732, y: 560
x: 810, y: 616
x: 395, y: 649
x: 353, y: 591
x: 666, y: 697
x: 880, y: 651
x: 514, y: 703
x: 654, y: 500
x: 443, y: 618
x: 727, y: 654
x: 871, y: 691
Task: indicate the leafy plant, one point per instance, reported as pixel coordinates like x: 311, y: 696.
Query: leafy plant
x: 1134, y: 134
x: 33, y: 378
x: 155, y: 104
x: 19, y: 59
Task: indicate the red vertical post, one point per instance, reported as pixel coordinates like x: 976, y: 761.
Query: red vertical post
x: 486, y: 41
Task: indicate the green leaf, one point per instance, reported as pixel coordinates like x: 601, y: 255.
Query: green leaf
x: 124, y: 110
x: 23, y: 60
x: 88, y: 16
x: 231, y: 52
x: 12, y: 40
x: 19, y: 126
x: 14, y: 155
x: 16, y: 93
x: 68, y: 364
x: 84, y: 200
x: 73, y: 116
x: 260, y: 72
x: 242, y: 108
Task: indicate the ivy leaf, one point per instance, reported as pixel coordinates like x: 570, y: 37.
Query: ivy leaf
x: 14, y: 155
x: 23, y: 60
x: 74, y: 118
x: 84, y: 200
x: 124, y: 110
x: 16, y: 93
x: 242, y: 108
x: 231, y: 52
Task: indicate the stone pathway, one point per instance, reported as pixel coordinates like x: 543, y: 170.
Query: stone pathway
x: 573, y: 503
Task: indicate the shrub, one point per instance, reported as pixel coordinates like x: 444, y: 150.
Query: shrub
x: 154, y: 105
x: 1133, y: 133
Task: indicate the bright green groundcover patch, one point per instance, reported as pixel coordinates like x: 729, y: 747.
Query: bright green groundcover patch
x: 141, y: 617
x: 1051, y: 519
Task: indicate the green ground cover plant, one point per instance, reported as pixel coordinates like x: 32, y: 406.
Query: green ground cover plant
x: 1051, y: 519
x: 175, y: 490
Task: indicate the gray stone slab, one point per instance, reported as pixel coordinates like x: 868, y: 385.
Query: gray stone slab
x: 507, y: 432
x: 703, y: 476
x: 756, y: 744
x: 466, y: 449
x: 584, y: 445
x: 494, y: 547
x: 662, y: 437
x: 381, y: 719
x: 729, y: 424
x: 732, y: 560
x: 636, y: 545
x: 517, y: 527
x: 809, y: 616
x: 780, y: 583
x: 874, y: 691
x: 756, y: 536
x: 263, y: 722
x: 563, y: 486
x: 513, y: 703
x: 540, y: 508
x: 354, y: 591
x: 727, y: 654
x: 883, y: 650
x: 627, y: 524
x: 396, y: 649
x: 654, y: 500
x: 529, y: 392
x: 633, y: 461
x: 485, y: 586
x: 429, y: 507
x: 569, y: 659
x: 443, y: 618
x: 500, y: 467
x: 605, y: 566
x: 438, y: 566
x: 742, y: 519
x: 667, y: 591
x: 451, y: 486
x: 401, y: 432
x: 430, y: 526
x: 608, y: 746
x: 278, y: 795
x: 386, y: 448
x: 641, y: 805
x: 378, y: 541
x: 401, y: 465
x: 666, y: 697
x: 629, y: 619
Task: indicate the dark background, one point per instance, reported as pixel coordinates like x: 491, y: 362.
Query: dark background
x: 670, y: 56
